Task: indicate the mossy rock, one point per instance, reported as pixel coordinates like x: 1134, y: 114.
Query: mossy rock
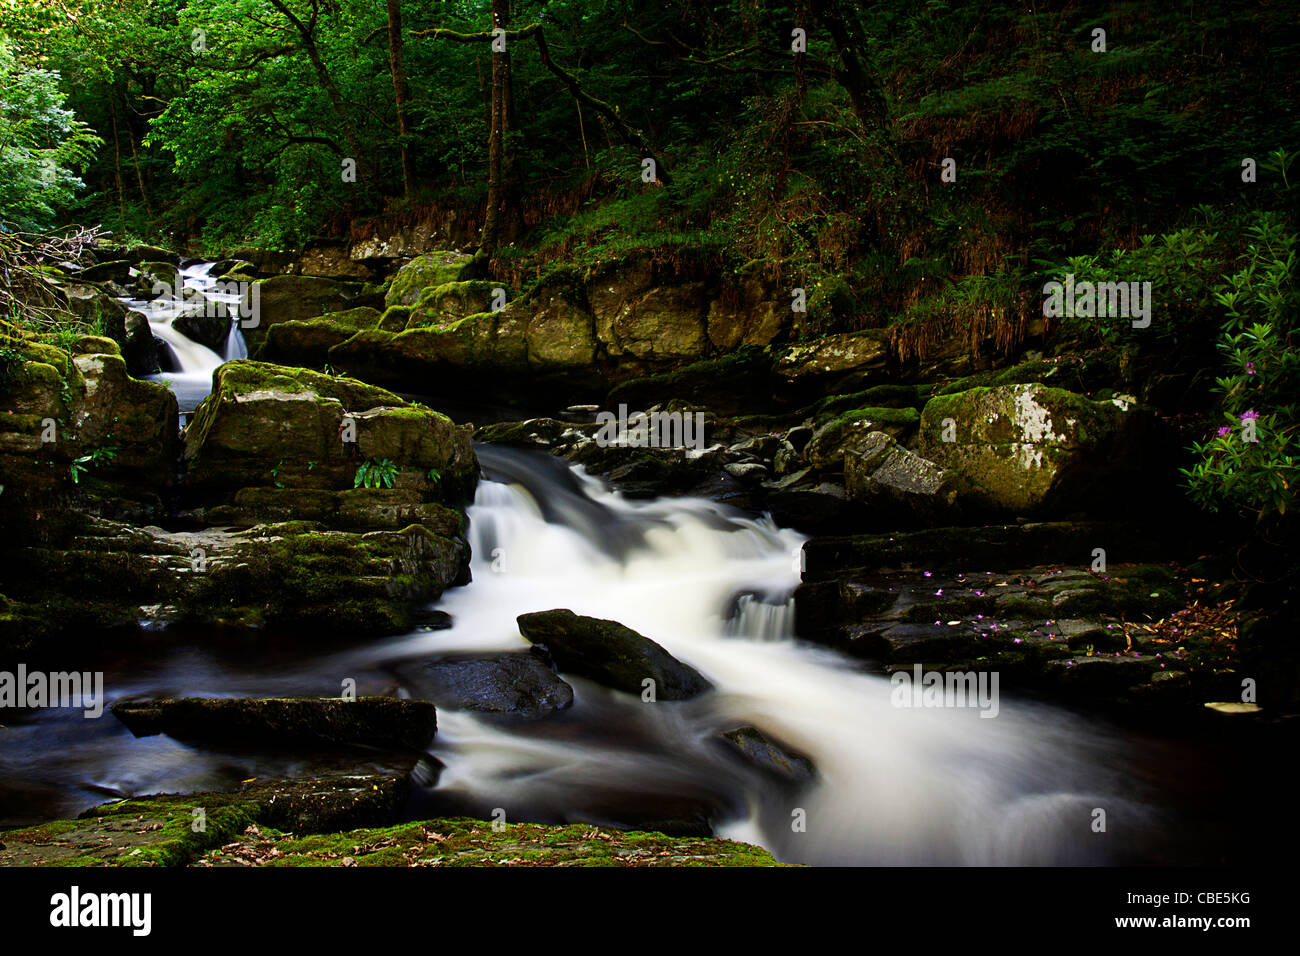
x: 1028, y: 449
x: 611, y: 654
x: 427, y: 271
x: 95, y: 344
x: 460, y: 842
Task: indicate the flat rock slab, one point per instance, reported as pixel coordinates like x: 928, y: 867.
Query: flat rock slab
x: 380, y: 721
x: 611, y: 654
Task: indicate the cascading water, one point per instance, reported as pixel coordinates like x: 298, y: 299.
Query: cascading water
x: 193, y: 362
x: 894, y: 785
x: 905, y: 786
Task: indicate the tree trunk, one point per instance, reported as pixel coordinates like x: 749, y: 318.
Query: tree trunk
x: 401, y: 92
x: 308, y: 34
x: 502, y: 221
x: 859, y: 80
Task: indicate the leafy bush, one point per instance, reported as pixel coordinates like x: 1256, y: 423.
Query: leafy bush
x: 1250, y: 463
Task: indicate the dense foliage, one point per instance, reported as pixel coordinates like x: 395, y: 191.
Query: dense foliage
x: 925, y: 167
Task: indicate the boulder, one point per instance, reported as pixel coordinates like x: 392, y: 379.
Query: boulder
x: 881, y: 473
x: 136, y: 418
x: 834, y: 356
x: 209, y: 326
x: 117, y: 270
x: 380, y: 721
x: 438, y: 305
x: 308, y: 342
x: 826, y: 447
x: 611, y: 654
x: 1030, y: 449
x: 138, y: 345
x: 427, y: 271
x: 268, y: 425
x: 153, y: 275
x: 333, y: 262
x: 288, y: 298
x: 91, y: 304
x: 517, y: 684
x: 666, y: 323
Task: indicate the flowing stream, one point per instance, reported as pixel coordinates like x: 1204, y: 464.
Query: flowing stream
x: 714, y: 587
x: 192, y: 364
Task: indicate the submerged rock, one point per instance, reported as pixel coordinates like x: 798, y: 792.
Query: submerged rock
x: 611, y: 654
x: 379, y: 721
x: 769, y: 756
x: 518, y: 684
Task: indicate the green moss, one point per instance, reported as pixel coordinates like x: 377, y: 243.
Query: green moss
x: 465, y: 842
x: 883, y: 416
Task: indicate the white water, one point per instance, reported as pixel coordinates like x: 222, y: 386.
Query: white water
x: 197, y: 362
x: 897, y: 786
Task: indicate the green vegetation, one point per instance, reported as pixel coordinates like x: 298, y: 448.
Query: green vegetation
x: 375, y: 474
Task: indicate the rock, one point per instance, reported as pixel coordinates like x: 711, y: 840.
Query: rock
x: 293, y: 575
x: 748, y: 314
x: 138, y: 419
x: 138, y: 345
x: 518, y: 684
x: 264, y: 424
x: 265, y: 262
x: 881, y: 473
x: 118, y: 270
x: 1029, y: 449
x: 289, y: 298
x: 751, y: 471
x: 332, y: 261
x: 666, y: 323
x: 729, y: 384
x: 157, y: 279
x: 834, y: 355
x: 95, y: 345
x: 307, y: 342
x: 207, y: 326
x: 378, y: 721
x: 438, y: 305
x: 324, y: 817
x: 611, y: 654
x: 426, y: 271
x: 769, y: 756
x: 91, y: 304
x: 560, y: 332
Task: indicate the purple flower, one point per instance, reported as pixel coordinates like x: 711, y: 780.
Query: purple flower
x: 1250, y: 368
x: 1249, y: 416
x: 1225, y: 431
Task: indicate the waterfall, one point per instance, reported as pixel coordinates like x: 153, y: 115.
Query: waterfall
x: 191, y: 379
x: 714, y: 587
